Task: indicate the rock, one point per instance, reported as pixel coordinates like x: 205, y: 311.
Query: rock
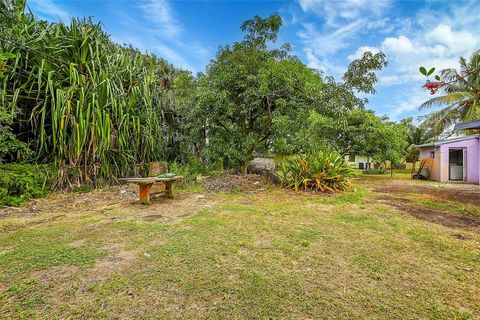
x: 259, y: 165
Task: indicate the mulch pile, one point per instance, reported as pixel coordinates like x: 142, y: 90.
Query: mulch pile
x: 227, y: 182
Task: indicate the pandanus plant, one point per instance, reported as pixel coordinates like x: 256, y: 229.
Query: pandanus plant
x: 92, y: 107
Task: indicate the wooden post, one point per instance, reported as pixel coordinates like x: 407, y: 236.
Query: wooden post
x: 169, y: 189
x: 145, y: 192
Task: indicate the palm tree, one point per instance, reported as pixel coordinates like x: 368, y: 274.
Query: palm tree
x: 461, y: 95
x: 416, y: 135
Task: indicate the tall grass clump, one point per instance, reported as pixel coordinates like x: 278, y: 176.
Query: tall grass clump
x: 93, y: 108
x: 327, y: 172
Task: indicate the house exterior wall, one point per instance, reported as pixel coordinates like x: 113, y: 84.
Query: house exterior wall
x: 433, y: 164
x: 358, y: 159
x: 439, y: 165
x: 472, y: 160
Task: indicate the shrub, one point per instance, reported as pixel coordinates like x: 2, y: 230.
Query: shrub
x: 193, y: 168
x: 320, y: 171
x: 21, y: 182
x: 375, y: 171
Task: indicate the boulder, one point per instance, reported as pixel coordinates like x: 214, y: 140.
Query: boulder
x: 263, y: 166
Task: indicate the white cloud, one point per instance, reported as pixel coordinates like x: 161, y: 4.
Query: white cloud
x: 173, y: 56
x: 360, y: 51
x: 345, y: 21
x: 398, y: 46
x: 47, y: 9
x: 408, y: 102
x: 160, y: 15
x: 328, y: 67
x: 461, y: 40
x: 324, y: 43
x: 346, y: 10
x: 156, y: 29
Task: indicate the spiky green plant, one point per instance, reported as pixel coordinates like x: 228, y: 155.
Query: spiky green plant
x: 461, y: 95
x: 92, y: 107
x: 320, y: 171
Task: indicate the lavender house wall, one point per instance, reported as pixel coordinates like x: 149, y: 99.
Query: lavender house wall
x: 433, y: 164
x: 472, y: 159
x: 439, y: 163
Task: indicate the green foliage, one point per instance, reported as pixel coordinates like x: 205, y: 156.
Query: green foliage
x: 4, y: 57
x: 461, y: 95
x: 85, y: 102
x: 9, y: 144
x: 335, y: 118
x: 191, y: 169
x: 246, y: 88
x: 256, y: 96
x: 428, y: 73
x: 21, y: 182
x: 416, y: 135
x: 320, y: 171
x: 391, y: 143
x: 375, y: 171
x: 361, y: 74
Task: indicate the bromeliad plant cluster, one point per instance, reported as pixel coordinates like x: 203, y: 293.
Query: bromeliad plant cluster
x: 322, y: 171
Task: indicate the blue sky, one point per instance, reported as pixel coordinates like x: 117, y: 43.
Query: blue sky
x: 325, y: 34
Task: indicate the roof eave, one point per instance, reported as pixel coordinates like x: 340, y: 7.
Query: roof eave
x: 467, y: 125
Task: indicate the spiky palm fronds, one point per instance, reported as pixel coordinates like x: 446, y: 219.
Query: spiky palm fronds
x: 85, y: 101
x: 461, y: 95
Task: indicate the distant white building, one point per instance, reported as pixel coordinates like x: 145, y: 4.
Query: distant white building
x: 359, y: 161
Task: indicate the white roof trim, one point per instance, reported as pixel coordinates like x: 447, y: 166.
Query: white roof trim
x: 439, y: 143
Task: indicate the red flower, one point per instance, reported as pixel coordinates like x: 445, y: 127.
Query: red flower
x: 433, y: 86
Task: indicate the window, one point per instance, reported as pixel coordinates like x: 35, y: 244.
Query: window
x: 351, y: 158
x: 432, y: 154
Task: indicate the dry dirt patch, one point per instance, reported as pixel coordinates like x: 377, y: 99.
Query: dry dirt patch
x: 396, y: 193
x: 112, y: 203
x: 166, y: 210
x: 466, y: 193
x: 438, y: 217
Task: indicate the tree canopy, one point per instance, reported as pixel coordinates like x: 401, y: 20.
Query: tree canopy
x: 99, y: 110
x: 256, y: 96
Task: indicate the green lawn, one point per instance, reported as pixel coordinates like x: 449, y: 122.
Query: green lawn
x: 270, y: 254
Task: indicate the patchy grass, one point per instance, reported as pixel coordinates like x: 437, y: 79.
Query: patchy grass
x: 447, y: 206
x: 271, y: 254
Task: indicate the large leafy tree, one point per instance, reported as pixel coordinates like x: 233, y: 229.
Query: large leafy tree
x: 255, y: 96
x: 337, y: 119
x: 244, y: 89
x: 461, y: 95
x: 391, y: 143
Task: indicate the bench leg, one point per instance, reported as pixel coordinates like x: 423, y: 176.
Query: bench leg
x: 169, y: 189
x: 145, y: 193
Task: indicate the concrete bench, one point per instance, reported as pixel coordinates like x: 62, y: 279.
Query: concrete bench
x: 145, y: 184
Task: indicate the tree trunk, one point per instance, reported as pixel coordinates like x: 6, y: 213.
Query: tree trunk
x: 244, y: 165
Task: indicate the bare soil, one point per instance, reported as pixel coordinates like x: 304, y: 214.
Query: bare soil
x: 123, y: 200
x: 397, y: 193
